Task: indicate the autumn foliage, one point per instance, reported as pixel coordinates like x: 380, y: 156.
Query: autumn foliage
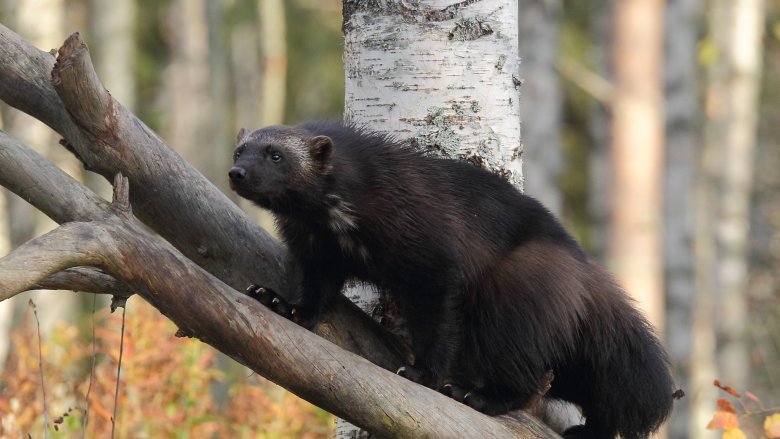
x: 170, y: 387
x: 744, y: 420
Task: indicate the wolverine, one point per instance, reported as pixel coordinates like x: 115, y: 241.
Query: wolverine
x: 496, y: 294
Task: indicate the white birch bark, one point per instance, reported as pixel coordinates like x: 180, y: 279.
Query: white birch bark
x: 443, y: 73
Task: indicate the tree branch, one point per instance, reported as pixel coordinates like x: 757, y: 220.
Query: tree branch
x: 85, y: 279
x: 44, y: 256
x: 204, y: 307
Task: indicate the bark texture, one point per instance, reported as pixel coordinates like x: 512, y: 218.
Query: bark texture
x: 446, y: 77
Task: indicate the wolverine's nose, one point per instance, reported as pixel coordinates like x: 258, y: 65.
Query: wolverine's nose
x: 237, y: 173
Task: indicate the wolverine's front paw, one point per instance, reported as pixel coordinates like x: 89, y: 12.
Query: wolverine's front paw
x: 415, y: 374
x: 297, y: 313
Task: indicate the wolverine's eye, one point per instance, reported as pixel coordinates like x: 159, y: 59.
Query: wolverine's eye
x: 275, y: 156
x: 237, y: 154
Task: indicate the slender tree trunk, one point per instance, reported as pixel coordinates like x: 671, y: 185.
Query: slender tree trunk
x: 112, y: 26
x: 196, y: 82
x: 637, y: 153
x: 682, y: 131
x: 734, y: 76
x: 539, y: 26
x: 599, y: 127
x: 273, y: 41
x: 42, y: 21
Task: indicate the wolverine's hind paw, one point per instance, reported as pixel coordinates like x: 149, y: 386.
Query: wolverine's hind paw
x: 475, y: 399
x: 279, y: 305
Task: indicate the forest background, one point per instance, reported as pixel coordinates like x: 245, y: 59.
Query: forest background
x: 195, y: 71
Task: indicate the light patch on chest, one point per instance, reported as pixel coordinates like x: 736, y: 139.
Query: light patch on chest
x: 342, y: 221
x: 341, y: 217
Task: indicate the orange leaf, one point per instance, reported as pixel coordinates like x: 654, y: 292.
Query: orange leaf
x: 724, y: 421
x: 726, y: 389
x: 725, y: 406
x: 772, y: 426
x: 734, y: 433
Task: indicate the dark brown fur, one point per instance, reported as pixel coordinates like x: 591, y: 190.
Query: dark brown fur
x: 494, y: 291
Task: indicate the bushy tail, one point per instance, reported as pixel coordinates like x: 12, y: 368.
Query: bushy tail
x: 631, y: 393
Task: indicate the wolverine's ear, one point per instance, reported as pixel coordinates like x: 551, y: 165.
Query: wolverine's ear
x: 320, y: 150
x: 241, y: 134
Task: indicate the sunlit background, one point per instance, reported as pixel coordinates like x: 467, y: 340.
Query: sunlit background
x: 196, y: 71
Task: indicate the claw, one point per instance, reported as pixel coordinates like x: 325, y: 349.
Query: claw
x: 401, y: 371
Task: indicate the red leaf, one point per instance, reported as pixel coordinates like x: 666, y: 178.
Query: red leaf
x: 726, y: 389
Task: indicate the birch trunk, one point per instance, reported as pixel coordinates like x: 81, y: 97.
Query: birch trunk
x: 442, y: 73
x: 682, y: 121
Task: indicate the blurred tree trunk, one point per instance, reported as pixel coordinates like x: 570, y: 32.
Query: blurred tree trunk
x: 273, y: 41
x: 733, y: 54
x: 682, y: 129
x: 732, y: 116
x: 196, y: 83
x: 112, y: 28
x: 637, y: 153
x: 599, y: 127
x: 259, y: 49
x: 540, y: 111
x: 42, y: 22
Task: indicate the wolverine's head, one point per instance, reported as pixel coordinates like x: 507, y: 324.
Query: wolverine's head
x: 277, y: 165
